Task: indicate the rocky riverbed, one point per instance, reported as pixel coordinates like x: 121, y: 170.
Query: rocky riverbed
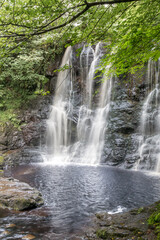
x: 127, y: 225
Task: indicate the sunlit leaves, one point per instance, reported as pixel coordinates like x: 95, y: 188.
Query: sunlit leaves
x: 131, y: 30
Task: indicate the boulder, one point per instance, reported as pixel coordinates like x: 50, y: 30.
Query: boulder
x: 18, y: 195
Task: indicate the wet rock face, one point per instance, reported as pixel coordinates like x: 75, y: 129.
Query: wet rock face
x: 18, y: 195
x: 122, y: 135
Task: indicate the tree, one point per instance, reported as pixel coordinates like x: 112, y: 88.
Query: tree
x: 131, y: 28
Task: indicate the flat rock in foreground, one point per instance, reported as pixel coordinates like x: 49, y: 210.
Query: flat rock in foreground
x: 18, y: 195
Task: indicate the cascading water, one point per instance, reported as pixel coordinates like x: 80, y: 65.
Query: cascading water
x: 57, y: 124
x: 86, y: 58
x: 94, y: 134
x: 91, y: 74
x: 149, y: 149
x: 91, y: 121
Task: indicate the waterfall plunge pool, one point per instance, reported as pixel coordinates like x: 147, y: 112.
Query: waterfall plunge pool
x: 73, y: 194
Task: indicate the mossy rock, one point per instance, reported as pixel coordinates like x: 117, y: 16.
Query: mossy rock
x: 102, y: 233
x: 18, y: 195
x: 20, y: 204
x: 1, y: 173
x: 1, y: 160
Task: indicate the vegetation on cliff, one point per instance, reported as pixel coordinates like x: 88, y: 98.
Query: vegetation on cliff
x: 23, y: 77
x: 154, y: 220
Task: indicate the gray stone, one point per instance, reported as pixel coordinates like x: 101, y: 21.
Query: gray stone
x: 18, y: 195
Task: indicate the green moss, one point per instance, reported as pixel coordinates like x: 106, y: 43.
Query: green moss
x: 22, y: 204
x: 102, y: 233
x: 99, y: 216
x: 138, y: 232
x: 9, y: 116
x: 140, y: 210
x: 1, y: 160
x: 154, y: 221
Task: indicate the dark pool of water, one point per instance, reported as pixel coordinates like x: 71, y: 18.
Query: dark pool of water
x: 72, y: 194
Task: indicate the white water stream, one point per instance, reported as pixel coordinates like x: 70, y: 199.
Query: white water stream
x: 91, y: 123
x: 57, y: 124
x: 149, y: 149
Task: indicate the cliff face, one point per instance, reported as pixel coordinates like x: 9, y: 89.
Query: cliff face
x: 15, y: 142
x: 122, y: 128
x: 122, y: 137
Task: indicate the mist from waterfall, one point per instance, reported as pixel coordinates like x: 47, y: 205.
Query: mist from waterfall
x: 91, y: 120
x: 149, y: 150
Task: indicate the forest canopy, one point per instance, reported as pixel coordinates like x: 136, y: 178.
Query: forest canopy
x: 130, y: 28
x: 33, y: 32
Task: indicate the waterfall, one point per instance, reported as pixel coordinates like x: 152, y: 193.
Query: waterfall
x: 96, y: 135
x: 57, y: 124
x: 86, y: 57
x: 91, y: 75
x: 91, y: 121
x: 149, y: 149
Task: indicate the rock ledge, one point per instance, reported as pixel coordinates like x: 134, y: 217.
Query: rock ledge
x: 18, y: 195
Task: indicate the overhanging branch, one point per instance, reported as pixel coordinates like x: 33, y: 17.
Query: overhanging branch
x: 87, y: 6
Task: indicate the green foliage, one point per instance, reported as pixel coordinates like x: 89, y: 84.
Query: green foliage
x: 22, y: 73
x: 140, y: 210
x: 42, y: 92
x: 101, y: 233
x: 22, y: 77
x: 154, y: 221
x: 155, y: 217
x: 13, y: 118
x: 9, y: 116
x: 135, y: 37
x: 2, y: 100
x: 62, y: 68
x: 130, y: 29
x: 32, y: 32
